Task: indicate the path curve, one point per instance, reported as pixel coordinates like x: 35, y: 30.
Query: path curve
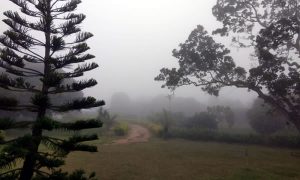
x: 136, y: 134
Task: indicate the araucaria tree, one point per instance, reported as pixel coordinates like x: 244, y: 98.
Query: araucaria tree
x: 271, y: 28
x: 46, y: 34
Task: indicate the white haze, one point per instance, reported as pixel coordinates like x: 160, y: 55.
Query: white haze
x: 134, y: 39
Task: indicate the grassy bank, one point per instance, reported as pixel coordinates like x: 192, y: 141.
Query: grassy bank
x: 181, y: 159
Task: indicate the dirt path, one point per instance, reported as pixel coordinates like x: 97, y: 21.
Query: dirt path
x: 137, y: 134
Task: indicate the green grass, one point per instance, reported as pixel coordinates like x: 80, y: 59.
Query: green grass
x: 181, y: 159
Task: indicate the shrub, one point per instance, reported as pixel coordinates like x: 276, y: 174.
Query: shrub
x: 202, y: 120
x: 155, y: 128
x: 165, y: 120
x: 121, y: 129
x: 212, y: 135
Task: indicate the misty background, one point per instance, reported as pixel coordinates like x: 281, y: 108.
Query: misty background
x: 134, y: 39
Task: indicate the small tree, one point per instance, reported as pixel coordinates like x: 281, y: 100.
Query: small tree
x: 272, y: 28
x: 264, y: 119
x: 105, y: 117
x: 46, y: 41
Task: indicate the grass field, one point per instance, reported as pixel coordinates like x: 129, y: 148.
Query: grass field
x: 188, y: 160
x: 183, y: 160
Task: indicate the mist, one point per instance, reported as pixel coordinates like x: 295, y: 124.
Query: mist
x: 134, y: 39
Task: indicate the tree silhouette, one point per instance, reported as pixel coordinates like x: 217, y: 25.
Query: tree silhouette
x: 272, y: 28
x: 264, y: 120
x: 43, y: 37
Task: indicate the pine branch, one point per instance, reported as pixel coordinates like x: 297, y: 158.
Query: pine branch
x: 49, y: 162
x: 79, y: 147
x: 19, y: 71
x: 80, y: 138
x: 83, y: 36
x: 64, y: 61
x: 17, y: 83
x: 6, y: 102
x: 68, y: 7
x: 80, y: 125
x: 20, y: 41
x: 7, y: 123
x: 14, y: 151
x: 10, y: 175
x: 84, y: 103
x: 22, y: 30
x: 74, y: 87
x: 8, y: 43
x: 24, y: 7
x: 80, y: 70
x: 72, y: 144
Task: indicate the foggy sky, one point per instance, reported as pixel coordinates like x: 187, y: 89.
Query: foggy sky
x: 134, y: 39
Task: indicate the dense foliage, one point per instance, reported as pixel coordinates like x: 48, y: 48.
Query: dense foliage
x: 46, y: 26
x: 264, y: 119
x: 271, y: 28
x: 202, y: 120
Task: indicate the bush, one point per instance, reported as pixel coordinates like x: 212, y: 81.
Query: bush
x: 121, y: 129
x: 155, y: 128
x: 211, y: 135
x: 202, y: 120
x: 164, y: 119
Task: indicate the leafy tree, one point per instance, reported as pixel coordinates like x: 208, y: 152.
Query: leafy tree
x: 263, y: 118
x: 223, y: 114
x: 272, y: 28
x: 44, y: 40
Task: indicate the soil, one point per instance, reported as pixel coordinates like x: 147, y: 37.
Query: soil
x: 136, y: 134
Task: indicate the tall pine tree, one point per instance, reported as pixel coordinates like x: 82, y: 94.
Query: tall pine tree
x: 46, y: 34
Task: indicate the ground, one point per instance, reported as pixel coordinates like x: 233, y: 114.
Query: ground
x: 133, y: 158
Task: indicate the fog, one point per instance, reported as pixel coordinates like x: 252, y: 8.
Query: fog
x: 134, y: 39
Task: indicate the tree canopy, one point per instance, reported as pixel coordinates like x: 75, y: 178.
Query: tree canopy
x: 271, y: 28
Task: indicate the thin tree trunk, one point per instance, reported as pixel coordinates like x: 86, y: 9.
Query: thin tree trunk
x: 30, y: 160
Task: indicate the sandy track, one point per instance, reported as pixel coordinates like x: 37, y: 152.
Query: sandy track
x: 137, y: 134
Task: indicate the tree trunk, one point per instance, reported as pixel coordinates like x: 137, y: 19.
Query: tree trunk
x: 30, y: 159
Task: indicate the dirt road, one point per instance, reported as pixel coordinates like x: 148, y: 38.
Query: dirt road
x: 136, y: 134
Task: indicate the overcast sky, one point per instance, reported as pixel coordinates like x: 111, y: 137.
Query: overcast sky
x: 134, y: 39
